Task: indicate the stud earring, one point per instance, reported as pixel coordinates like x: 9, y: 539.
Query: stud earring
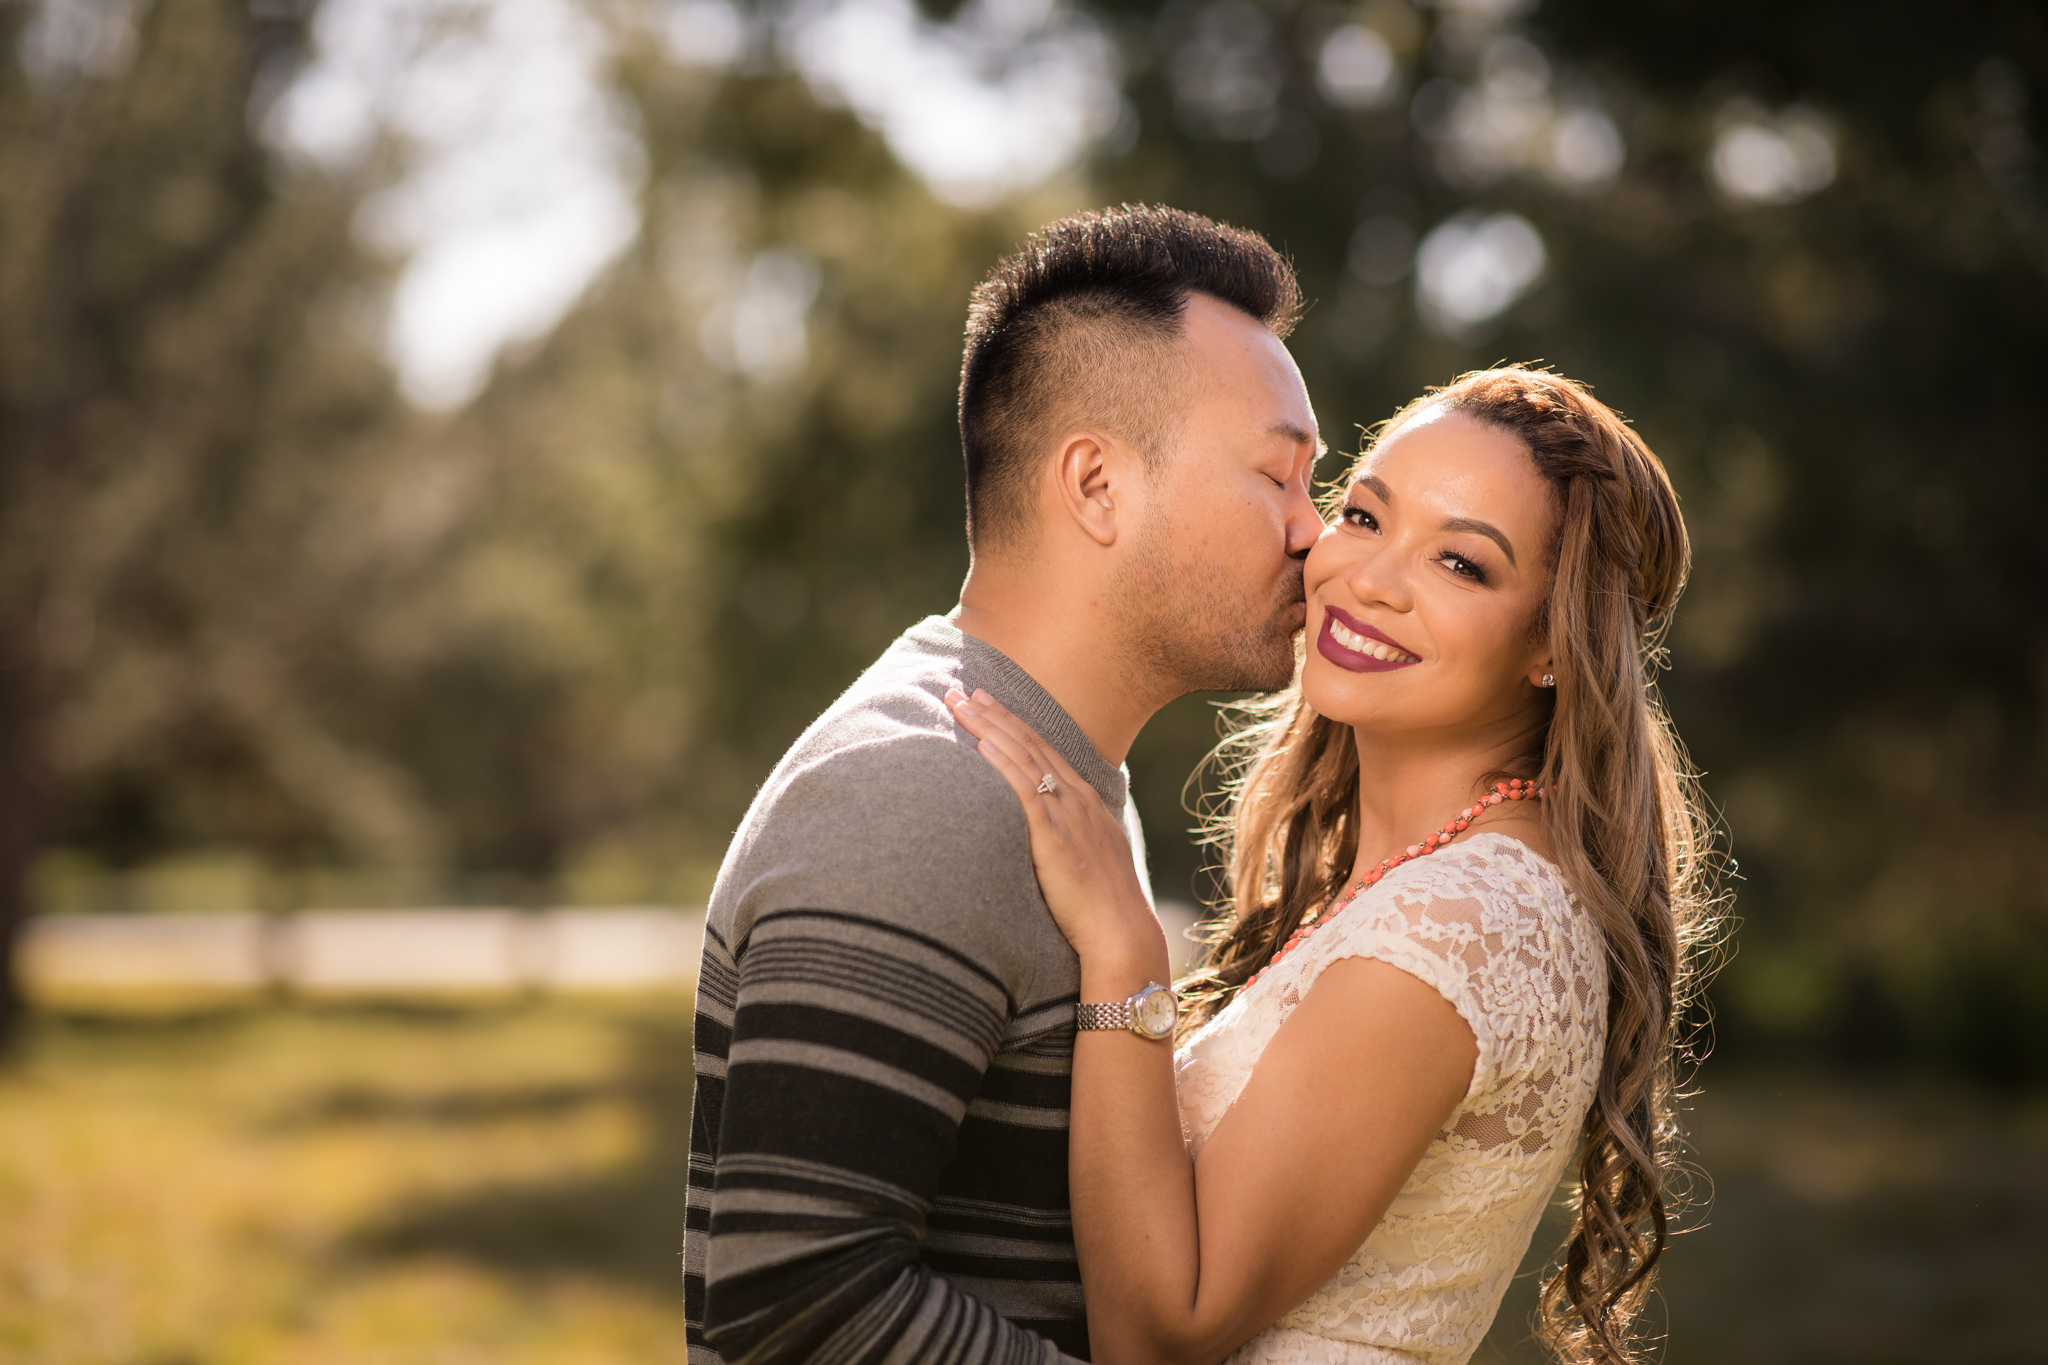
x: 1548, y: 681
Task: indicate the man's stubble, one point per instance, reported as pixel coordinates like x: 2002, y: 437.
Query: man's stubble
x: 1195, y: 626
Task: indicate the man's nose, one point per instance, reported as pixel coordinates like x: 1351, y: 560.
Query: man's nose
x: 1304, y: 522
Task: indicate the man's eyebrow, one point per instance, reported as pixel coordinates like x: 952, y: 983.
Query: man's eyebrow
x: 1490, y: 532
x: 1299, y: 435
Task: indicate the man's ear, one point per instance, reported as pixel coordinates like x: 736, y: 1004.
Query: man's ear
x: 1088, y: 474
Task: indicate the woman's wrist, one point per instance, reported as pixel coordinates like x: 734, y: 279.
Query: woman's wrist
x: 1114, y: 970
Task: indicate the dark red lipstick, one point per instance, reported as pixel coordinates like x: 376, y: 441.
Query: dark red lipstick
x: 1357, y: 660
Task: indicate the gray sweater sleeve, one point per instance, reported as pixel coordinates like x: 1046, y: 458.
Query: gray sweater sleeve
x: 880, y: 967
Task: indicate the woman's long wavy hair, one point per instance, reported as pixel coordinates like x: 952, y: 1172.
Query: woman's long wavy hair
x: 1624, y: 815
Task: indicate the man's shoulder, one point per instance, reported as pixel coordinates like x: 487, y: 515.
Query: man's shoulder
x: 890, y: 783
x: 890, y: 740
x: 884, y: 809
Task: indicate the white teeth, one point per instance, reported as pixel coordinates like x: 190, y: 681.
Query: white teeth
x: 1351, y: 639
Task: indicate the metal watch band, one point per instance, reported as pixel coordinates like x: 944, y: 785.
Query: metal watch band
x: 1139, y: 1013
x: 1116, y: 1014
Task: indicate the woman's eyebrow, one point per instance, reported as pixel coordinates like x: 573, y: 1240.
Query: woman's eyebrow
x: 1379, y: 489
x: 1482, y: 528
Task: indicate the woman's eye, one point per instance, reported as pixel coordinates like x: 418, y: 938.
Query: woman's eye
x: 1358, y: 516
x: 1464, y: 567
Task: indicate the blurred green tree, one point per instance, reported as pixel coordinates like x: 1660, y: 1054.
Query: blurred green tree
x: 719, y: 488
x: 247, y: 598
x: 188, y: 400
x: 1806, y: 248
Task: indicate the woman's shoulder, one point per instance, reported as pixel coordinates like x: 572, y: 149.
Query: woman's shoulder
x: 1470, y: 905
x: 1489, y: 904
x: 1497, y: 869
x: 1489, y: 923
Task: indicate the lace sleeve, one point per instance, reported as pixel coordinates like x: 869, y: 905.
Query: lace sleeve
x: 1490, y: 925
x: 1491, y: 928
x: 1441, y: 943
x: 1458, y: 925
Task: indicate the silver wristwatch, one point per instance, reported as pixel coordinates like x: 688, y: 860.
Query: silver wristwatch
x: 1150, y: 1013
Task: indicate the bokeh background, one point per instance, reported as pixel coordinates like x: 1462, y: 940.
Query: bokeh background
x: 449, y: 447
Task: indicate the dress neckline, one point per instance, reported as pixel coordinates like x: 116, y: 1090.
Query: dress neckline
x: 1555, y: 872
x: 1549, y: 864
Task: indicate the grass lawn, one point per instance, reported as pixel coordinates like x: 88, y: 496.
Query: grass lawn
x: 1876, y: 1224
x: 381, y: 1186
x: 347, y: 1185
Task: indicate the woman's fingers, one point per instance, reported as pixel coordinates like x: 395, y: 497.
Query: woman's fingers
x: 1018, y: 755
x: 980, y: 715
x: 1080, y: 852
x: 1012, y: 736
x: 1006, y: 722
x: 1017, y: 775
x: 1025, y: 760
x: 1012, y: 758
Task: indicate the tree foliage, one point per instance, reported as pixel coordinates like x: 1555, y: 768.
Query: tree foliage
x: 548, y: 645
x: 183, y: 413
x: 1838, y: 376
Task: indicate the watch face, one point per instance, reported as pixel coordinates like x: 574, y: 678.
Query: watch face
x: 1155, y: 1011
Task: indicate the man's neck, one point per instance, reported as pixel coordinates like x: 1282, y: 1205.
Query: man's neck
x: 1067, y: 654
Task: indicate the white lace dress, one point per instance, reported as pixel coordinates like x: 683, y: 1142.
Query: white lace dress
x: 1489, y: 924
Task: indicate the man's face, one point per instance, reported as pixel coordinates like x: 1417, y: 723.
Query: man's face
x: 1214, y: 585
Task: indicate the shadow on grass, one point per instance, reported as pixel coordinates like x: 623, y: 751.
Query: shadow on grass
x: 625, y: 1226
x: 156, y: 1023
x: 1890, y: 1222
x: 1851, y: 1220
x: 363, y: 1104
x: 156, y: 1017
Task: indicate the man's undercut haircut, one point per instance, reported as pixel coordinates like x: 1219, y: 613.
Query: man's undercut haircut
x: 1081, y: 328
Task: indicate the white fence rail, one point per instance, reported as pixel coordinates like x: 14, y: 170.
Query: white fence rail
x: 351, y: 952
x: 374, y: 952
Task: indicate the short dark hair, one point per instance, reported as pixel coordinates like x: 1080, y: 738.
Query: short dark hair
x: 1060, y: 330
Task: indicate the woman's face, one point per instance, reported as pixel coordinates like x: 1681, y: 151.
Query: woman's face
x: 1423, y: 592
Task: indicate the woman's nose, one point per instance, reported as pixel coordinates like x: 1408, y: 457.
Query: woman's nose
x: 1380, y: 575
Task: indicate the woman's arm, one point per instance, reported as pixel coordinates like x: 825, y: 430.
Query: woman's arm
x: 1184, y: 1261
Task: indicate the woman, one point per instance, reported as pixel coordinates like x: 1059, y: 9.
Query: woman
x: 1465, y: 891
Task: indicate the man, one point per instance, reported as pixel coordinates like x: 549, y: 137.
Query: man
x: 886, y: 1011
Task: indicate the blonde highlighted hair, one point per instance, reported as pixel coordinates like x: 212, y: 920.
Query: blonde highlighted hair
x: 1625, y: 817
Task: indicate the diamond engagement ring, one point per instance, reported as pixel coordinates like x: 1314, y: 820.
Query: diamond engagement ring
x: 1046, y: 786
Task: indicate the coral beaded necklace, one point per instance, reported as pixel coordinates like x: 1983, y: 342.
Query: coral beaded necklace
x: 1514, y: 789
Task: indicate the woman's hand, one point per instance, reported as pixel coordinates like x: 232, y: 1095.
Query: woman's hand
x: 1081, y: 853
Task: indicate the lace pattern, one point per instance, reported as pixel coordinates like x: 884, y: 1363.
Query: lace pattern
x: 1489, y: 924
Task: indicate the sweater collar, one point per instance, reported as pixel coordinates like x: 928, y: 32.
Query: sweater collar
x: 1008, y: 682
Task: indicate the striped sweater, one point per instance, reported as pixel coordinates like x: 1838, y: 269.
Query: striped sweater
x: 884, y: 1041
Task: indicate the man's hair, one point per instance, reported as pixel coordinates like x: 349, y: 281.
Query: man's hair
x: 1081, y: 327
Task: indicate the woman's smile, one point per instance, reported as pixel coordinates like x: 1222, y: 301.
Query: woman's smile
x: 1353, y: 644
